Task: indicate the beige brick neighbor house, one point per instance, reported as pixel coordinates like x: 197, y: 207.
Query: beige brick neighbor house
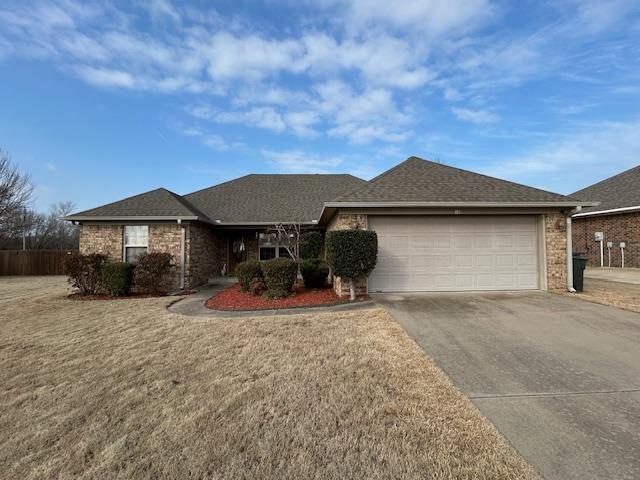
x: 439, y: 228
x: 617, y: 218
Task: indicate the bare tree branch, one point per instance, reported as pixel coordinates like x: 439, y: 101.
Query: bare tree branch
x: 16, y: 190
x: 288, y: 236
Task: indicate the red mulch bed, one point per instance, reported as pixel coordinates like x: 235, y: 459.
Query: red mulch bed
x: 233, y: 299
x: 131, y: 296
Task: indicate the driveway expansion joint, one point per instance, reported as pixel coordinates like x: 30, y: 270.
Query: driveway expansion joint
x: 553, y: 394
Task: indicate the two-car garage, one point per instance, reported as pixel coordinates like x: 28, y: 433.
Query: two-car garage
x: 455, y: 253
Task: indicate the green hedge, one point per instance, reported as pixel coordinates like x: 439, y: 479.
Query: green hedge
x: 246, y: 272
x: 352, y: 253
x: 279, y: 276
x: 310, y: 245
x: 117, y: 278
x: 314, y: 272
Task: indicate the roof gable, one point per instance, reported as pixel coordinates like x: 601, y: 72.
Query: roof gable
x: 620, y: 191
x: 155, y: 203
x: 418, y: 180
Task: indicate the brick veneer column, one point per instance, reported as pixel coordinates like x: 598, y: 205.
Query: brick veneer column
x: 556, y: 251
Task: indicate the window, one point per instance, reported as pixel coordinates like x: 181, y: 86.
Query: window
x: 270, y: 248
x: 136, y: 240
x: 267, y: 253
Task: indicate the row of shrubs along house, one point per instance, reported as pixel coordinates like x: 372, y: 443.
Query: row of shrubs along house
x: 438, y: 227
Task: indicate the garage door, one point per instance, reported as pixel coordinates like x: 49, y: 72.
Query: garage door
x: 453, y: 253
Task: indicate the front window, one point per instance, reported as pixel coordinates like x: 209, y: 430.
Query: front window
x: 270, y: 247
x: 136, y: 242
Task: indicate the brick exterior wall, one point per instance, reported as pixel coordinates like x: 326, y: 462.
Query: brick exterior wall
x: 555, y: 225
x: 348, y: 221
x: 165, y: 238
x: 623, y: 227
x: 206, y: 253
x: 106, y: 239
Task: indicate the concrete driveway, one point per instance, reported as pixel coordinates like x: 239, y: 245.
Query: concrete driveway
x: 558, y: 376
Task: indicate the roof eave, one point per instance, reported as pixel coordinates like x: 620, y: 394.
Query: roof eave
x: 133, y: 218
x: 610, y: 211
x: 330, y: 207
x: 561, y: 204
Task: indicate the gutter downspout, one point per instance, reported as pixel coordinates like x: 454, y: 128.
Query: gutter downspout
x: 570, y: 251
x: 182, y: 252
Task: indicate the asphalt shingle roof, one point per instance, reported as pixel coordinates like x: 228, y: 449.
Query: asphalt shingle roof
x: 159, y: 202
x: 619, y: 191
x: 418, y: 180
x: 248, y: 199
x: 271, y: 197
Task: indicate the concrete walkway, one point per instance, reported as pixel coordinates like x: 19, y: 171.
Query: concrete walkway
x: 193, y: 305
x: 558, y: 376
x: 621, y: 275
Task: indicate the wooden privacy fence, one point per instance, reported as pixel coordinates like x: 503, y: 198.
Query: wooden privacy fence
x: 32, y: 262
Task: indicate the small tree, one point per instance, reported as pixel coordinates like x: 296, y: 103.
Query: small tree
x: 352, y: 254
x: 288, y: 236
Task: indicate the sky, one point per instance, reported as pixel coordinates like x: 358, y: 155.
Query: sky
x: 104, y: 100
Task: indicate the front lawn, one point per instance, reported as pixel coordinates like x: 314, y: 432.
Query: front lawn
x: 125, y: 389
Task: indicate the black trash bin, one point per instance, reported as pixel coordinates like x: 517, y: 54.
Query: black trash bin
x: 579, y: 263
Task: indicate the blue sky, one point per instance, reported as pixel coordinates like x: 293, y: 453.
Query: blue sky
x: 104, y: 101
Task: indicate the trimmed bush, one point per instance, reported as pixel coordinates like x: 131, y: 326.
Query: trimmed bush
x: 352, y: 254
x: 149, y: 274
x: 310, y: 245
x: 85, y: 271
x: 279, y: 276
x: 315, y: 272
x: 117, y: 278
x: 246, y: 272
x: 257, y: 286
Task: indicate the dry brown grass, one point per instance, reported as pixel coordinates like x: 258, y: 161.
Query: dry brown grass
x: 124, y: 389
x: 615, y: 294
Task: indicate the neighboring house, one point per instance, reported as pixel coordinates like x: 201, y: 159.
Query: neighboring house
x: 617, y: 217
x: 439, y: 228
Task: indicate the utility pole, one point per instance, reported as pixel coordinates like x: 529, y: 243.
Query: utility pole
x: 24, y: 228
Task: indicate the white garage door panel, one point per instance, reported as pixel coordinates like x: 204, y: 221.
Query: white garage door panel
x: 447, y: 253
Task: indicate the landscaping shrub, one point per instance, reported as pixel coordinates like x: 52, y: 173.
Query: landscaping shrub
x: 257, y: 286
x: 117, y: 278
x: 149, y: 274
x: 352, y: 254
x: 246, y: 272
x: 279, y: 276
x: 314, y: 272
x: 310, y: 245
x: 85, y: 271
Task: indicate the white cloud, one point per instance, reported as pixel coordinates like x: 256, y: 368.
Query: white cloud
x: 50, y: 167
x: 104, y: 77
x: 428, y: 17
x: 161, y: 9
x: 249, y: 57
x: 479, y: 117
x: 208, y: 139
x: 296, y: 161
